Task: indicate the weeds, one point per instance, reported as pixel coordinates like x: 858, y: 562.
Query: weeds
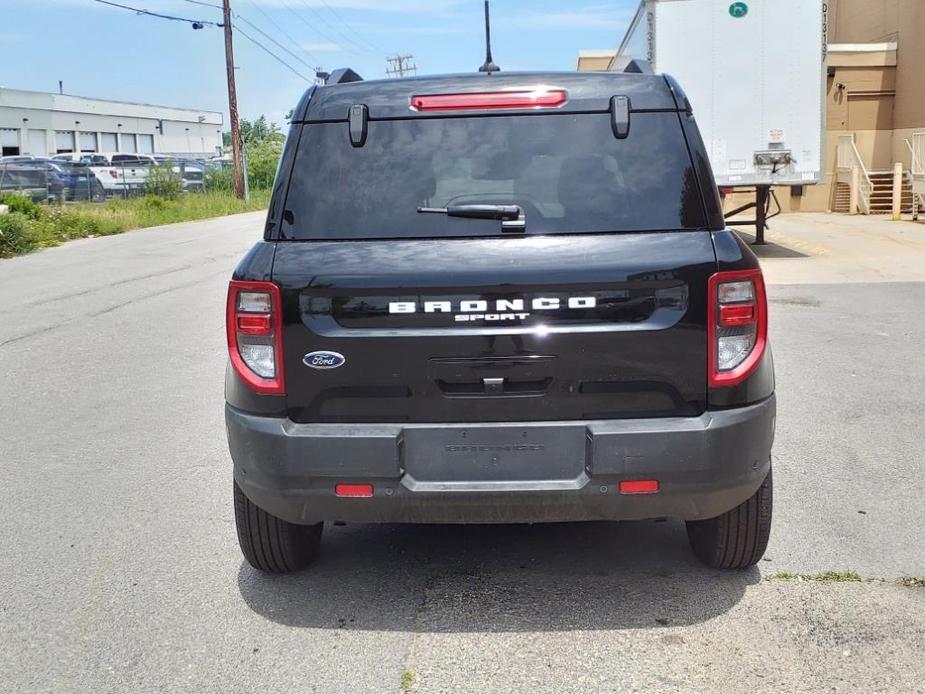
x: 821, y: 577
x: 29, y: 226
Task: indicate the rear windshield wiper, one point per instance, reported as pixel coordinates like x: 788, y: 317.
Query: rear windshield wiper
x: 511, y: 216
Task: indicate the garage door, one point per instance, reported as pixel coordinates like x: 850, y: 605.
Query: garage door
x: 109, y: 142
x: 37, y: 144
x: 64, y: 141
x: 88, y: 142
x: 9, y: 141
x: 146, y: 143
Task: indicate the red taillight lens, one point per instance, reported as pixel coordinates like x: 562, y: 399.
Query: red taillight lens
x: 540, y: 97
x: 638, y: 486
x: 254, y: 325
x: 736, y: 315
x: 737, y: 326
x: 353, y: 490
x: 114, y: 173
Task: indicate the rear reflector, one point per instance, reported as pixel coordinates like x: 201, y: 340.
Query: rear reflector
x: 741, y: 314
x: 535, y: 98
x: 353, y: 490
x: 254, y: 324
x: 638, y: 486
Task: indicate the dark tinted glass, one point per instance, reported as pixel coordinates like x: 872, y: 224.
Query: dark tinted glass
x: 568, y: 172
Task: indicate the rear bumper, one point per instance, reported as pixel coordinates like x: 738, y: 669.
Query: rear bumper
x: 519, y: 472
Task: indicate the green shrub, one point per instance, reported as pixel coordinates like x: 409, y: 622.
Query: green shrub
x: 164, y: 182
x: 23, y: 204
x: 153, y: 202
x: 262, y: 161
x: 219, y: 180
x: 15, y: 234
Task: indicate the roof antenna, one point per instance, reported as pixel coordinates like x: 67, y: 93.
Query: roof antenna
x: 489, y: 65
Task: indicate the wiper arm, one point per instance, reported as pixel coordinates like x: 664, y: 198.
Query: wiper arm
x: 511, y: 216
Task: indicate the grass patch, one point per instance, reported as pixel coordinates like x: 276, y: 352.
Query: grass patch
x: 30, y: 226
x: 407, y: 680
x: 821, y: 577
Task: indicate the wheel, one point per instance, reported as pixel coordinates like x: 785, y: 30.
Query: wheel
x: 738, y: 538
x: 271, y: 544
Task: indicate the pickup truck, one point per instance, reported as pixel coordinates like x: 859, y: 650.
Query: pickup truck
x: 498, y: 299
x: 125, y: 174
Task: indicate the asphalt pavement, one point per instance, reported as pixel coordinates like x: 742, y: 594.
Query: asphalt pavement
x: 120, y: 570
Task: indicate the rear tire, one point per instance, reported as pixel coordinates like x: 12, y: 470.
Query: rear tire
x: 271, y: 544
x: 738, y: 538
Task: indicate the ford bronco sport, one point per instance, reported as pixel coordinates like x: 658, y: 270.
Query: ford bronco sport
x: 498, y: 299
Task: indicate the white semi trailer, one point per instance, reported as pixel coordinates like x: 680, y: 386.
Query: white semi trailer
x: 754, y: 71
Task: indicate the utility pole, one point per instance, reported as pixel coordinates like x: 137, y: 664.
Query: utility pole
x: 400, y: 65
x: 233, y: 104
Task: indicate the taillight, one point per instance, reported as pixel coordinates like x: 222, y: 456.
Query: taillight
x: 114, y: 173
x: 540, y: 97
x: 737, y: 326
x: 254, y: 327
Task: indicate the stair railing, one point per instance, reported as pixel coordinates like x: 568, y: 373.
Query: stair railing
x: 847, y: 159
x: 917, y: 172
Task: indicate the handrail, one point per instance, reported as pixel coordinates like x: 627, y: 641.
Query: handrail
x: 917, y: 149
x: 847, y: 158
x: 917, y: 171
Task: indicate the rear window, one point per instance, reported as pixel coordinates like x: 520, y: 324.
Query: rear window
x: 567, y: 171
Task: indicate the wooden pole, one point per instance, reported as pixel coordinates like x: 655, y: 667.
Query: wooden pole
x: 233, y: 104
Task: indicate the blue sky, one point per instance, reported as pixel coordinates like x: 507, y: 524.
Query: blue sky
x: 111, y: 53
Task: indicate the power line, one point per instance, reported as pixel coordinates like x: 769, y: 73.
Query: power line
x: 136, y: 10
x: 204, y: 4
x: 352, y: 30
x: 194, y: 22
x: 400, y: 65
x: 270, y: 53
x: 321, y: 18
x: 283, y: 32
x: 270, y: 39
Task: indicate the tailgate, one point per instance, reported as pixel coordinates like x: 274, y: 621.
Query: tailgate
x: 594, y: 326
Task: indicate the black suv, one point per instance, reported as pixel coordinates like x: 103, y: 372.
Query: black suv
x: 498, y: 299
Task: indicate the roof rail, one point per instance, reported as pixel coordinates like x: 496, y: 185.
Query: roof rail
x: 639, y: 66
x: 342, y: 75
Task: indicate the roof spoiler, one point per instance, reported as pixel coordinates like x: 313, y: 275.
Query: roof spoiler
x: 342, y: 75
x: 640, y: 67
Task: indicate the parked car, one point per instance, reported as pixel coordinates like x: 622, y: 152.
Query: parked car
x: 80, y: 182
x: 124, y: 174
x: 89, y: 158
x: 515, y: 301
x: 35, y: 180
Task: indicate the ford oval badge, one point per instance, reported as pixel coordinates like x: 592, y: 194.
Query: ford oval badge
x: 324, y: 360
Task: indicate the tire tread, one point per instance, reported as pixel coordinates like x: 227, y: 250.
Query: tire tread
x: 270, y: 544
x: 738, y: 538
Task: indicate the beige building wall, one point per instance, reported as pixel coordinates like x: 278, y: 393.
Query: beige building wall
x: 903, y: 22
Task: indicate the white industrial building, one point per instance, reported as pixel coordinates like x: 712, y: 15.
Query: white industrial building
x: 41, y: 123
